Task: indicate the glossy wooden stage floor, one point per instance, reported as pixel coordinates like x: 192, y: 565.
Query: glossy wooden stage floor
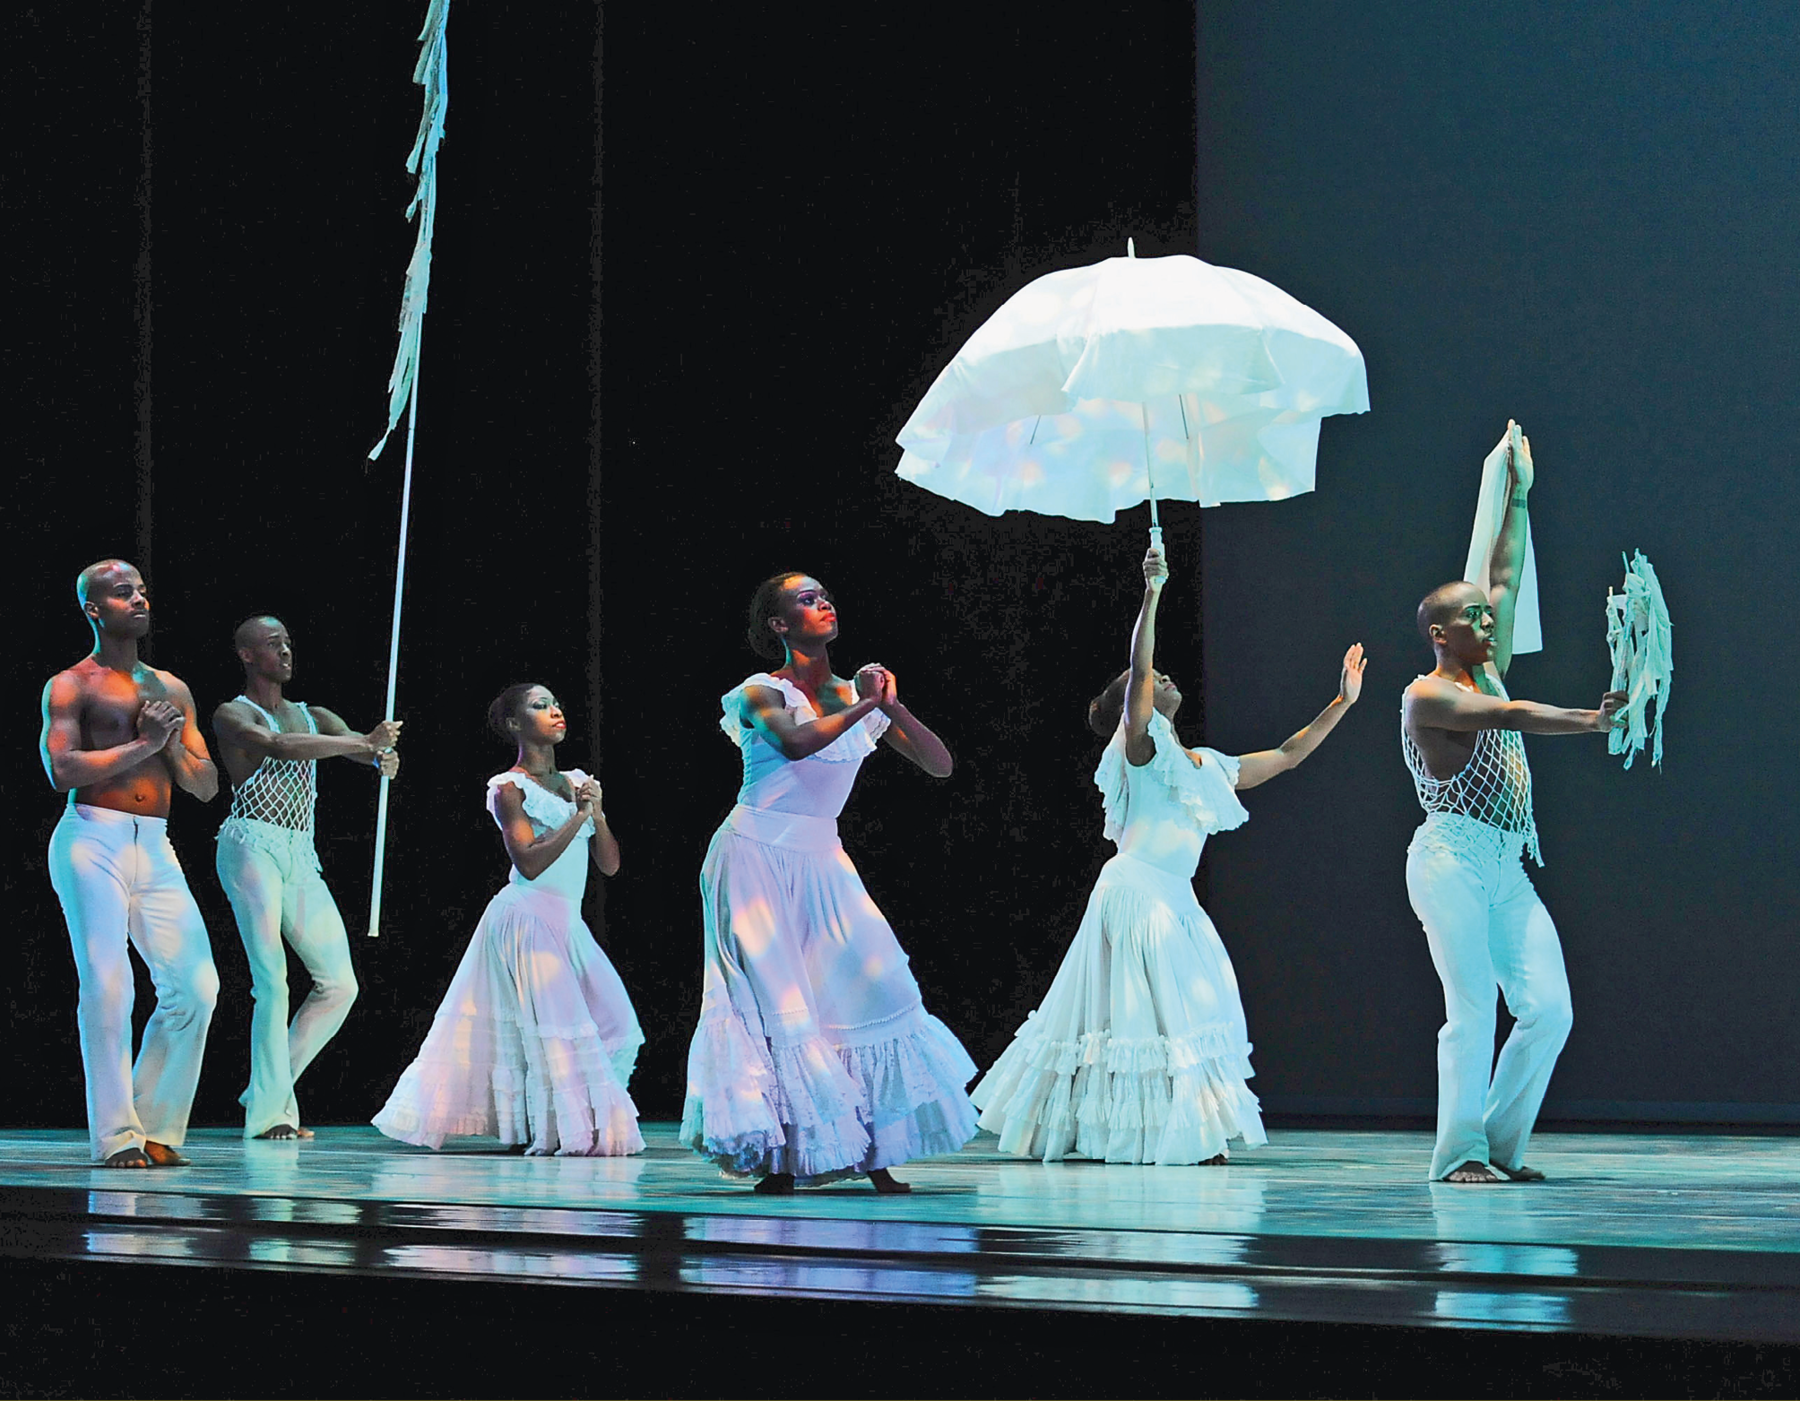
x: 1636, y: 1236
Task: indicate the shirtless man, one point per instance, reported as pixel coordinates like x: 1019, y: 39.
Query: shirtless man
x: 1464, y: 874
x: 118, y: 737
x: 270, y: 870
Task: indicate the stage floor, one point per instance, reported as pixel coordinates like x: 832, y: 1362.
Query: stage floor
x: 1646, y: 1235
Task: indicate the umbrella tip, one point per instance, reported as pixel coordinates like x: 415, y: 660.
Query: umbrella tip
x: 1131, y: 248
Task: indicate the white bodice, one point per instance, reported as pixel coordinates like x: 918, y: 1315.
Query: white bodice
x: 567, y: 875
x: 816, y: 786
x: 1163, y: 811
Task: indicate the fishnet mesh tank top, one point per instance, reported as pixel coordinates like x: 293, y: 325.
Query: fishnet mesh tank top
x: 280, y: 792
x: 1493, y: 788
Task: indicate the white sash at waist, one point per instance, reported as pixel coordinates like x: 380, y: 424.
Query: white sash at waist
x: 791, y: 831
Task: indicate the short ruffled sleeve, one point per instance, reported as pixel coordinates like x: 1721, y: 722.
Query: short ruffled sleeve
x: 544, y: 808
x: 852, y: 746
x: 1207, y: 792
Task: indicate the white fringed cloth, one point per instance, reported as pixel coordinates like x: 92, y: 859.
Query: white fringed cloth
x: 1639, y: 636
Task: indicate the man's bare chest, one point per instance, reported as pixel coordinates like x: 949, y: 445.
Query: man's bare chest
x: 111, y: 701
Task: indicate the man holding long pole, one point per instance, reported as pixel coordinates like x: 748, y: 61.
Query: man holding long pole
x: 269, y: 867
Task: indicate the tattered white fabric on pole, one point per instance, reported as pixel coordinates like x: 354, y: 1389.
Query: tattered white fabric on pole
x: 1490, y: 515
x: 432, y: 72
x: 1640, y: 639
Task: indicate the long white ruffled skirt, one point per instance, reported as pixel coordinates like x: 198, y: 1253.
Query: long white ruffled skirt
x: 533, y: 1043
x: 814, y: 1055
x: 1139, y: 1052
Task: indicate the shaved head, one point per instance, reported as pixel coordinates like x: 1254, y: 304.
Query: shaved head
x: 94, y: 573
x: 1444, y: 602
x: 252, y: 629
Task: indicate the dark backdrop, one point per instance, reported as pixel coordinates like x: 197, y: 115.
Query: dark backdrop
x: 666, y: 355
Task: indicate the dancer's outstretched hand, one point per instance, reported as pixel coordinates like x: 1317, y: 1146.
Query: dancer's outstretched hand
x: 1610, y: 705
x: 1350, y: 678
x: 1156, y: 569
x: 1519, y: 463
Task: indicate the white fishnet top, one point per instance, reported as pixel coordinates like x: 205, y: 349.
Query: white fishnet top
x: 1493, y: 788
x: 281, y: 792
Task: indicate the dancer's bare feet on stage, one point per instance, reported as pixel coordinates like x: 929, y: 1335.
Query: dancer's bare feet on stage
x: 1217, y: 1160
x: 775, y: 1184
x: 127, y: 1158
x: 1472, y: 1171
x: 282, y: 1132
x: 1522, y: 1173
x: 885, y: 1182
x: 161, y: 1155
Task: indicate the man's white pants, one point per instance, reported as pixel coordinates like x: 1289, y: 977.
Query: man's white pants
x: 276, y: 891
x: 119, y: 882
x: 1487, y: 927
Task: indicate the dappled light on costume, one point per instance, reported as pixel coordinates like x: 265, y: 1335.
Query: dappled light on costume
x: 535, y: 1041
x: 814, y: 1055
x: 1139, y: 1051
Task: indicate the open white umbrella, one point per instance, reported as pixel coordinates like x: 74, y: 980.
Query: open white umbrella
x: 1098, y: 387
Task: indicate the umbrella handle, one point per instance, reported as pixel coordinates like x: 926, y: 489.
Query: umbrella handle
x: 1156, y: 537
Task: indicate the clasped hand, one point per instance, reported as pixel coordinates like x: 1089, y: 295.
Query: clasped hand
x: 587, y: 797
x: 875, y: 682
x: 157, y: 720
x: 1156, y: 569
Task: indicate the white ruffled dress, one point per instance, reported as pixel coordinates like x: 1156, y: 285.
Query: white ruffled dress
x: 814, y: 1054
x: 535, y: 1041
x: 1139, y: 1052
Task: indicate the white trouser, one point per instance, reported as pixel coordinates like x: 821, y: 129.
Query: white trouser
x: 119, y: 881
x: 1487, y: 927
x: 272, y: 879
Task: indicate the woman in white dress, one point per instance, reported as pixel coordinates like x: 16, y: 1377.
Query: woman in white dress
x: 1139, y: 1052
x: 535, y: 1040
x: 814, y: 1057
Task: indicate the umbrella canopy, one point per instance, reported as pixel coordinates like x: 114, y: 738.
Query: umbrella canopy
x: 1095, y: 388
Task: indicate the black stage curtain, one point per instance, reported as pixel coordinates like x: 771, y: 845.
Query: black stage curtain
x: 682, y: 299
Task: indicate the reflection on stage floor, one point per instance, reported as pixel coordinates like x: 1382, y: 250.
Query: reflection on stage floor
x: 1636, y: 1235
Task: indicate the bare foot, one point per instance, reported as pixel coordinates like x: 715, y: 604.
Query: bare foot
x: 1522, y: 1173
x: 283, y: 1132
x: 161, y: 1155
x: 127, y: 1158
x: 1472, y: 1171
x: 885, y: 1182
x: 1217, y: 1160
x: 775, y: 1184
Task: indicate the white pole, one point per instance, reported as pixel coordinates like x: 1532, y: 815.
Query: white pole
x: 393, y: 677
x: 1150, y: 476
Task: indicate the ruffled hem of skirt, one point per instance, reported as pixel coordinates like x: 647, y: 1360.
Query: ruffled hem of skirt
x: 1165, y: 1100
x: 821, y: 1111
x: 569, y: 1100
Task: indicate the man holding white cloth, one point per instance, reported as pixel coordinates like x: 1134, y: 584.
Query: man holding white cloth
x: 1484, y: 922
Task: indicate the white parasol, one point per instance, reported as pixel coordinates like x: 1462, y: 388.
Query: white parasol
x: 1098, y: 387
